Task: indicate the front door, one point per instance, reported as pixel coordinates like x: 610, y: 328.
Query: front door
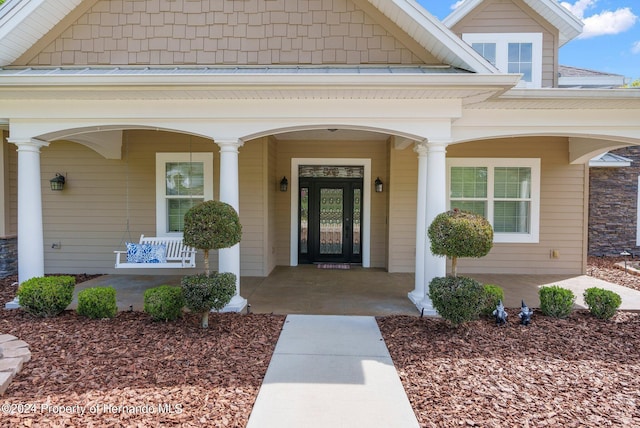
x: 330, y: 220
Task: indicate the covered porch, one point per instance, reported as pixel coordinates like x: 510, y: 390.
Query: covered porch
x: 306, y: 289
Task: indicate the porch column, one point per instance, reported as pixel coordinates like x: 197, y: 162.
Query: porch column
x: 229, y: 258
x: 417, y: 295
x: 435, y: 266
x: 30, y: 230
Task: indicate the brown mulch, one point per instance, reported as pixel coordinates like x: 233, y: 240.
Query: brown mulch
x: 603, y: 268
x: 131, y: 371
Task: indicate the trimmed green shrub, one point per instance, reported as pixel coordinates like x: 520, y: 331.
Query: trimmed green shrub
x: 164, y: 303
x: 602, y: 303
x: 556, y: 301
x: 457, y: 299
x: 46, y: 296
x: 458, y: 233
x: 97, y: 302
x: 211, y: 225
x: 493, y: 295
x: 203, y: 293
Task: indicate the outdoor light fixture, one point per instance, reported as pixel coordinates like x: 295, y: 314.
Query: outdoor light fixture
x: 284, y: 184
x: 57, y: 182
x: 378, y: 183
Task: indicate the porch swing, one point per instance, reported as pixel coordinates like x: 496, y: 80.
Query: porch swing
x: 153, y: 252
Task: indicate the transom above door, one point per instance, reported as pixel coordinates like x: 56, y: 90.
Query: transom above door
x: 330, y: 214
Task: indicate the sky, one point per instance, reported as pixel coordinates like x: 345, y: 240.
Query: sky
x: 611, y: 36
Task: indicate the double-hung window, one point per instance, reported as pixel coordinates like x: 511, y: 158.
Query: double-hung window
x: 519, y: 53
x: 182, y: 181
x: 505, y: 191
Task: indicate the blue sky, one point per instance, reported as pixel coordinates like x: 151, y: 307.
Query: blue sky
x: 611, y: 38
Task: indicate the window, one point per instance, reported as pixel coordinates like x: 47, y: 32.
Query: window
x: 182, y: 181
x: 512, y: 53
x: 505, y: 191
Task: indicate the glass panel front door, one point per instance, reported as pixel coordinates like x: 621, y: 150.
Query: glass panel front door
x: 330, y: 220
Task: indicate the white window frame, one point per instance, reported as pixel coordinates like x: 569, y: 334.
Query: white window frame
x: 161, y: 204
x: 502, y: 41
x: 533, y: 237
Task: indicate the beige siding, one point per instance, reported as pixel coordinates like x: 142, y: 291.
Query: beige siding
x: 271, y: 186
x: 376, y: 151
x: 514, y: 16
x: 562, y: 205
x: 403, y: 185
x: 118, y: 32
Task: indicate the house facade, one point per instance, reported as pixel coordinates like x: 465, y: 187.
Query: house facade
x: 148, y: 107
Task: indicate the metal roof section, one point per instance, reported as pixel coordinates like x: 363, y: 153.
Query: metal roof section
x: 609, y: 160
x: 574, y: 77
x: 568, y: 24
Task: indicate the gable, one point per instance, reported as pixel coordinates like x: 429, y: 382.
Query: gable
x: 250, y: 32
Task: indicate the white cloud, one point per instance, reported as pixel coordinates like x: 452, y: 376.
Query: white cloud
x: 457, y: 4
x: 636, y: 48
x: 604, y: 22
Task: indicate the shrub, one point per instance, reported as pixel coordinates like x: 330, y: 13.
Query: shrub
x: 457, y: 299
x: 46, y: 296
x: 202, y: 293
x: 602, y: 303
x: 164, y: 303
x: 492, y: 295
x: 97, y: 302
x: 458, y: 233
x: 556, y: 301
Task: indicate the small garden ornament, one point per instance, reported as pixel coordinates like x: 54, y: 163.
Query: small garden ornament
x: 500, y: 314
x: 525, y: 314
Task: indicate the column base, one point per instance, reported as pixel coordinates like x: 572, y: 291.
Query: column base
x: 415, y: 298
x: 13, y: 304
x: 424, y: 305
x: 237, y: 304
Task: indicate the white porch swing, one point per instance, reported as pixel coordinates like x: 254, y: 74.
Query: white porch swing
x: 162, y: 252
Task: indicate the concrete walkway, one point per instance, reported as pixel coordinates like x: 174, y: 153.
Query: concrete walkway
x: 331, y: 371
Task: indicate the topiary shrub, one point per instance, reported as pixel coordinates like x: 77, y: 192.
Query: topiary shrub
x: 458, y: 233
x: 556, y: 301
x: 602, y: 303
x: 202, y: 293
x: 164, y: 303
x: 46, y: 296
x: 457, y: 299
x: 97, y: 302
x: 492, y: 296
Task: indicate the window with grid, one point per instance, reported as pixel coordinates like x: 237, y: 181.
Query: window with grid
x: 505, y: 191
x: 182, y: 181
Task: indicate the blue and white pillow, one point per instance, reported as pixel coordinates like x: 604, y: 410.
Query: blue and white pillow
x: 146, y: 253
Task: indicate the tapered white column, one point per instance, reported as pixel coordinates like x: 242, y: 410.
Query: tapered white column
x: 435, y: 266
x: 418, y: 293
x: 30, y: 230
x: 229, y: 258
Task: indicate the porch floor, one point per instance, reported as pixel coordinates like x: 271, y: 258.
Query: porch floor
x: 306, y: 289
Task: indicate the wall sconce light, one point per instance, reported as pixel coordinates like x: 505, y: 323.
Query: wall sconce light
x: 378, y: 183
x: 284, y: 184
x: 57, y: 182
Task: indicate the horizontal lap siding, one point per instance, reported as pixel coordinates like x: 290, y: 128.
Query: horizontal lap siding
x: 403, y: 184
x: 514, y: 16
x: 562, y: 205
x: 252, y: 208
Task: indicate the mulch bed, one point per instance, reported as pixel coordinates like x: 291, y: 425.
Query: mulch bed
x: 134, y: 372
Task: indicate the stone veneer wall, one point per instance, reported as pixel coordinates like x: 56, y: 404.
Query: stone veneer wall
x: 175, y: 32
x: 8, y: 256
x: 613, y: 196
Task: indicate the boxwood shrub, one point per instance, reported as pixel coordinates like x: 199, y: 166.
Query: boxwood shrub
x: 46, y: 296
x: 602, y: 303
x: 493, y: 295
x: 457, y: 299
x: 556, y: 301
x: 164, y: 303
x: 202, y: 293
x: 97, y: 302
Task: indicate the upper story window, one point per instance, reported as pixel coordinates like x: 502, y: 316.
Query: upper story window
x: 511, y: 53
x: 182, y: 181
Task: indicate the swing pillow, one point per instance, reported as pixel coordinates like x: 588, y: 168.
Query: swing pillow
x: 146, y: 253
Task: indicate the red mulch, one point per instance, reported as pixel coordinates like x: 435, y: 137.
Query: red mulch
x: 134, y: 372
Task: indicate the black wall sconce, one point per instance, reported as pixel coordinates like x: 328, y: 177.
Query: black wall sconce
x: 57, y: 182
x: 378, y: 184
x: 284, y: 184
